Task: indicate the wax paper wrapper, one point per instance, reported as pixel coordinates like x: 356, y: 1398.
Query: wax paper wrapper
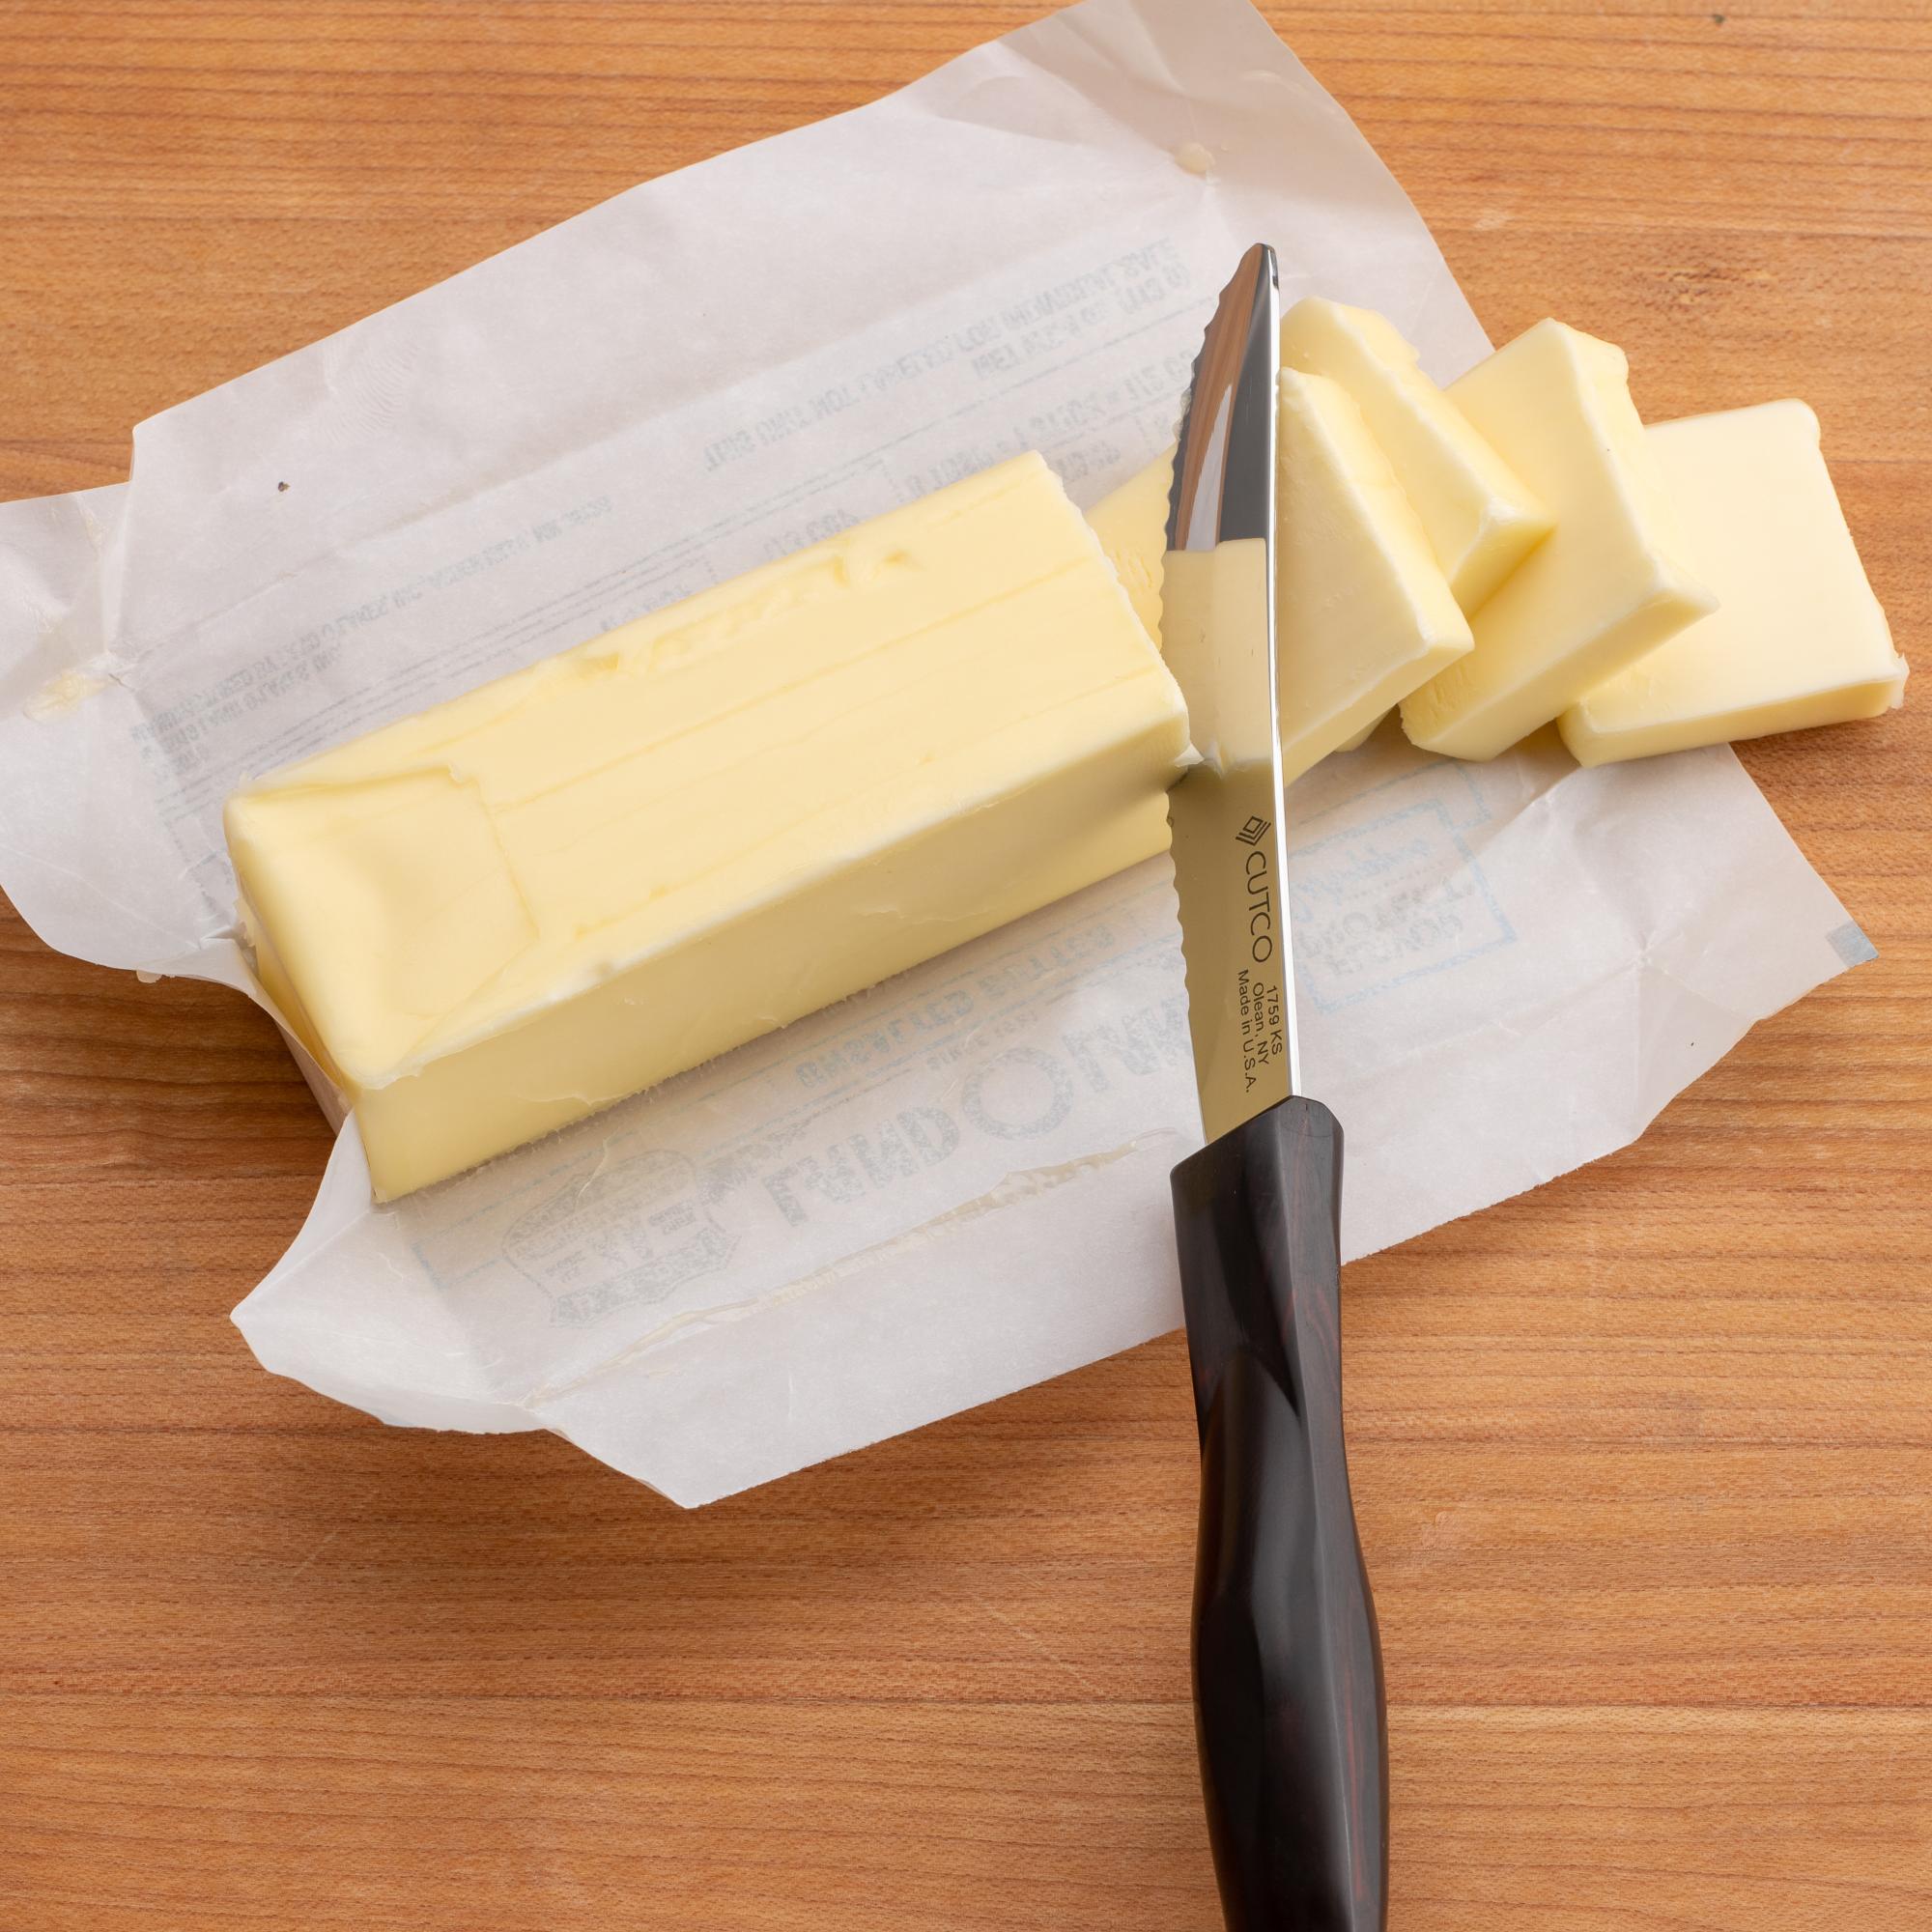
x: 956, y: 1184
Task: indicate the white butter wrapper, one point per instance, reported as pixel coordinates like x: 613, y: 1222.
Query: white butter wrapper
x: 956, y: 1184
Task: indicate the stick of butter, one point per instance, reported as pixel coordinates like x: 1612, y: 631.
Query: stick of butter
x: 1363, y: 613
x: 1797, y: 640
x: 512, y: 910
x: 1606, y: 585
x: 1481, y: 518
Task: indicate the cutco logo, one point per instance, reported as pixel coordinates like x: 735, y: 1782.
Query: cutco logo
x: 1261, y: 891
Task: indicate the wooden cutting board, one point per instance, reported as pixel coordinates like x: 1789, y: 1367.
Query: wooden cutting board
x: 1643, y: 1459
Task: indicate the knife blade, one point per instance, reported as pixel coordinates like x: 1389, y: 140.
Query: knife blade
x: 1288, y: 1676
x: 1218, y: 635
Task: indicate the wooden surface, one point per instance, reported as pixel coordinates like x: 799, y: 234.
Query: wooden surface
x: 1642, y: 1460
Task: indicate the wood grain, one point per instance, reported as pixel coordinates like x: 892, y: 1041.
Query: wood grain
x: 1643, y: 1461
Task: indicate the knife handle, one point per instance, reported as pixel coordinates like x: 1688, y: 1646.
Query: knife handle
x: 1288, y: 1668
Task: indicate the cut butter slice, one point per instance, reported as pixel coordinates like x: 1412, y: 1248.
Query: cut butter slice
x: 495, y: 917
x: 1480, y: 517
x: 1797, y: 640
x: 1363, y: 736
x: 1363, y: 613
x: 1131, y: 524
x: 1609, y: 582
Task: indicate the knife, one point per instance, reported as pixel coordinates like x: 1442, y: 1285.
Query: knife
x: 1287, y: 1675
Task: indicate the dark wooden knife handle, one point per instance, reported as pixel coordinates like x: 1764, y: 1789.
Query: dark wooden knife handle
x: 1288, y: 1668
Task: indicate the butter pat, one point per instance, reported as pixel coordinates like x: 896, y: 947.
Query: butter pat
x: 1481, y: 519
x: 1609, y: 582
x: 1363, y: 736
x: 1797, y: 640
x: 1131, y: 524
x: 1363, y: 614
x: 499, y: 915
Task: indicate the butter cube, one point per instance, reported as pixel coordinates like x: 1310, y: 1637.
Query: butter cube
x: 1610, y: 582
x: 502, y: 915
x: 1797, y: 639
x: 1363, y: 613
x: 1481, y: 519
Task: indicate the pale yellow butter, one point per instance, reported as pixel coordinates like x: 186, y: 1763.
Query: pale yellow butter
x: 1363, y: 736
x: 1610, y: 582
x: 1797, y: 640
x: 1131, y: 524
x: 1363, y: 613
x: 498, y: 917
x: 1481, y: 519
